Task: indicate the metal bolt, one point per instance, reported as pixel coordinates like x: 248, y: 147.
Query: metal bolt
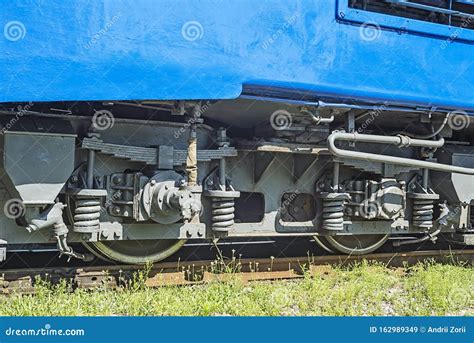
x: 116, y: 210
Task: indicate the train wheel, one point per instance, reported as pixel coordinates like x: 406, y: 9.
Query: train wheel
x: 352, y: 244
x: 135, y: 252
x: 322, y: 243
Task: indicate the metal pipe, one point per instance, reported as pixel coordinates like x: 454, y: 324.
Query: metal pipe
x: 426, y: 177
x: 90, y: 169
x: 318, y: 119
x: 431, y: 236
x: 411, y: 108
x: 440, y: 223
x: 53, y: 218
x: 222, y: 173
x: 335, y: 176
x: 401, y: 141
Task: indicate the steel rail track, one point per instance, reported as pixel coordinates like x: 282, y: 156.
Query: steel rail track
x: 187, y: 273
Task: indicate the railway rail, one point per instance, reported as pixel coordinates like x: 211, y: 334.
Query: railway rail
x: 22, y: 281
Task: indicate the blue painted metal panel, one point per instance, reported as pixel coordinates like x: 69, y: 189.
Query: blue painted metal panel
x: 167, y: 49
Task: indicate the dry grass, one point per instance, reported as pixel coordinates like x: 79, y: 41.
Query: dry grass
x: 362, y: 289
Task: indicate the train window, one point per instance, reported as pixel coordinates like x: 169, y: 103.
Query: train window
x: 457, y: 13
x: 453, y: 19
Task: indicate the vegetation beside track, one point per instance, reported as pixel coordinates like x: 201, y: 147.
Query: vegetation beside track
x: 362, y: 289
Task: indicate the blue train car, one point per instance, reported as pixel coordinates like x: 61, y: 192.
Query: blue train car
x: 169, y: 50
x: 130, y: 127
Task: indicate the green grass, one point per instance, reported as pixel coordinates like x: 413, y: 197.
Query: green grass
x: 362, y: 289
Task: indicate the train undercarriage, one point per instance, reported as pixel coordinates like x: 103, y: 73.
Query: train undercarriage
x: 132, y: 181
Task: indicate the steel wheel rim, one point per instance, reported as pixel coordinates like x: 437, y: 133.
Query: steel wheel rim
x: 357, y: 244
x: 108, y: 252
x: 323, y: 244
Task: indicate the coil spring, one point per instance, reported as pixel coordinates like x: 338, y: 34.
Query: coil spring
x: 86, y: 215
x: 423, y: 213
x: 333, y: 212
x: 222, y: 213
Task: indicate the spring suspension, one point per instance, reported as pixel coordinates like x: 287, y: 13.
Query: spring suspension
x: 222, y: 213
x: 223, y: 209
x: 333, y: 211
x: 87, y: 210
x: 86, y: 215
x: 423, y: 204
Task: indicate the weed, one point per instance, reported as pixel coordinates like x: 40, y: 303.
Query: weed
x: 363, y: 288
